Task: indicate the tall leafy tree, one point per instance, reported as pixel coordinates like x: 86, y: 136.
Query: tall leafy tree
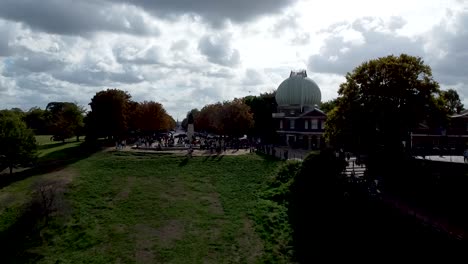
x: 152, y: 117
x: 17, y: 142
x: 262, y: 107
x: 327, y: 106
x: 109, y: 114
x: 65, y: 119
x: 37, y: 120
x: 382, y: 101
x: 452, y: 101
x: 236, y: 118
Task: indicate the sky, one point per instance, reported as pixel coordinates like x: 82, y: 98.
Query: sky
x: 186, y: 54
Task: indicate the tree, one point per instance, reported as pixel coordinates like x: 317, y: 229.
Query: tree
x: 65, y: 119
x: 209, y: 119
x: 262, y: 108
x: 36, y: 119
x: 109, y: 114
x: 17, y: 142
x: 152, y: 117
x: 236, y: 118
x: 452, y: 101
x: 327, y: 106
x: 382, y: 101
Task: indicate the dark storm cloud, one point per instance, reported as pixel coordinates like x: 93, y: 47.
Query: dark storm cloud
x: 340, y: 56
x: 70, y: 17
x: 218, y: 50
x: 213, y: 11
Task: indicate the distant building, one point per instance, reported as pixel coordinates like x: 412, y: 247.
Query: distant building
x: 452, y: 139
x: 299, y: 121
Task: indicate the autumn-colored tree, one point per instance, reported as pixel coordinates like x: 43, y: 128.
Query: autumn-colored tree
x: 231, y: 118
x: 209, y: 119
x: 152, y: 117
x: 236, y: 118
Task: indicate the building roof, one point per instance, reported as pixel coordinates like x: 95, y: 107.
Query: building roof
x: 462, y: 114
x: 299, y: 90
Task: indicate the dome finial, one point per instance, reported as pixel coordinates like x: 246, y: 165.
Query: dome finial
x: 302, y: 73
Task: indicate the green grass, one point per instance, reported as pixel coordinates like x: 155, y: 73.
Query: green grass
x: 147, y: 208
x: 51, y: 150
x: 45, y: 140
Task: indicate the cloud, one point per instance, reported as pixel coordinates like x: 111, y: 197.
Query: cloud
x: 69, y: 17
x: 253, y: 77
x: 289, y: 27
x: 216, y: 12
x: 217, y: 49
x: 136, y: 55
x: 31, y: 62
x: 349, y: 45
x: 448, y: 49
x: 180, y: 45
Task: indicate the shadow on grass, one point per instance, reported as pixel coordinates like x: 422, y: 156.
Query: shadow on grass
x: 49, y: 146
x: 184, y: 162
x: 51, y: 162
x: 21, y: 236
x: 266, y: 157
x: 25, y: 231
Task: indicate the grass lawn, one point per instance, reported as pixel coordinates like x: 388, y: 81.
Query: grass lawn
x: 147, y: 208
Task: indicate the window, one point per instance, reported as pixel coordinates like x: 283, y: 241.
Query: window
x: 281, y: 124
x: 306, y: 124
x: 314, y: 124
x: 291, y: 124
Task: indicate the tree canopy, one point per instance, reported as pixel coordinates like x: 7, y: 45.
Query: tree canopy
x: 327, y: 106
x: 152, y: 117
x: 262, y: 108
x: 113, y: 114
x: 232, y: 118
x: 382, y: 101
x: 109, y: 114
x: 452, y: 101
x: 65, y: 119
x: 17, y: 142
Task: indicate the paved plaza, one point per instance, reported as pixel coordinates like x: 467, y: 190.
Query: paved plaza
x: 455, y: 159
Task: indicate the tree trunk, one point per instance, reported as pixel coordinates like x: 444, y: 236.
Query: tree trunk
x: 11, y: 170
x: 77, y: 138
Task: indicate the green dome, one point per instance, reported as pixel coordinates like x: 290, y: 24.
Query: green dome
x: 298, y: 89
